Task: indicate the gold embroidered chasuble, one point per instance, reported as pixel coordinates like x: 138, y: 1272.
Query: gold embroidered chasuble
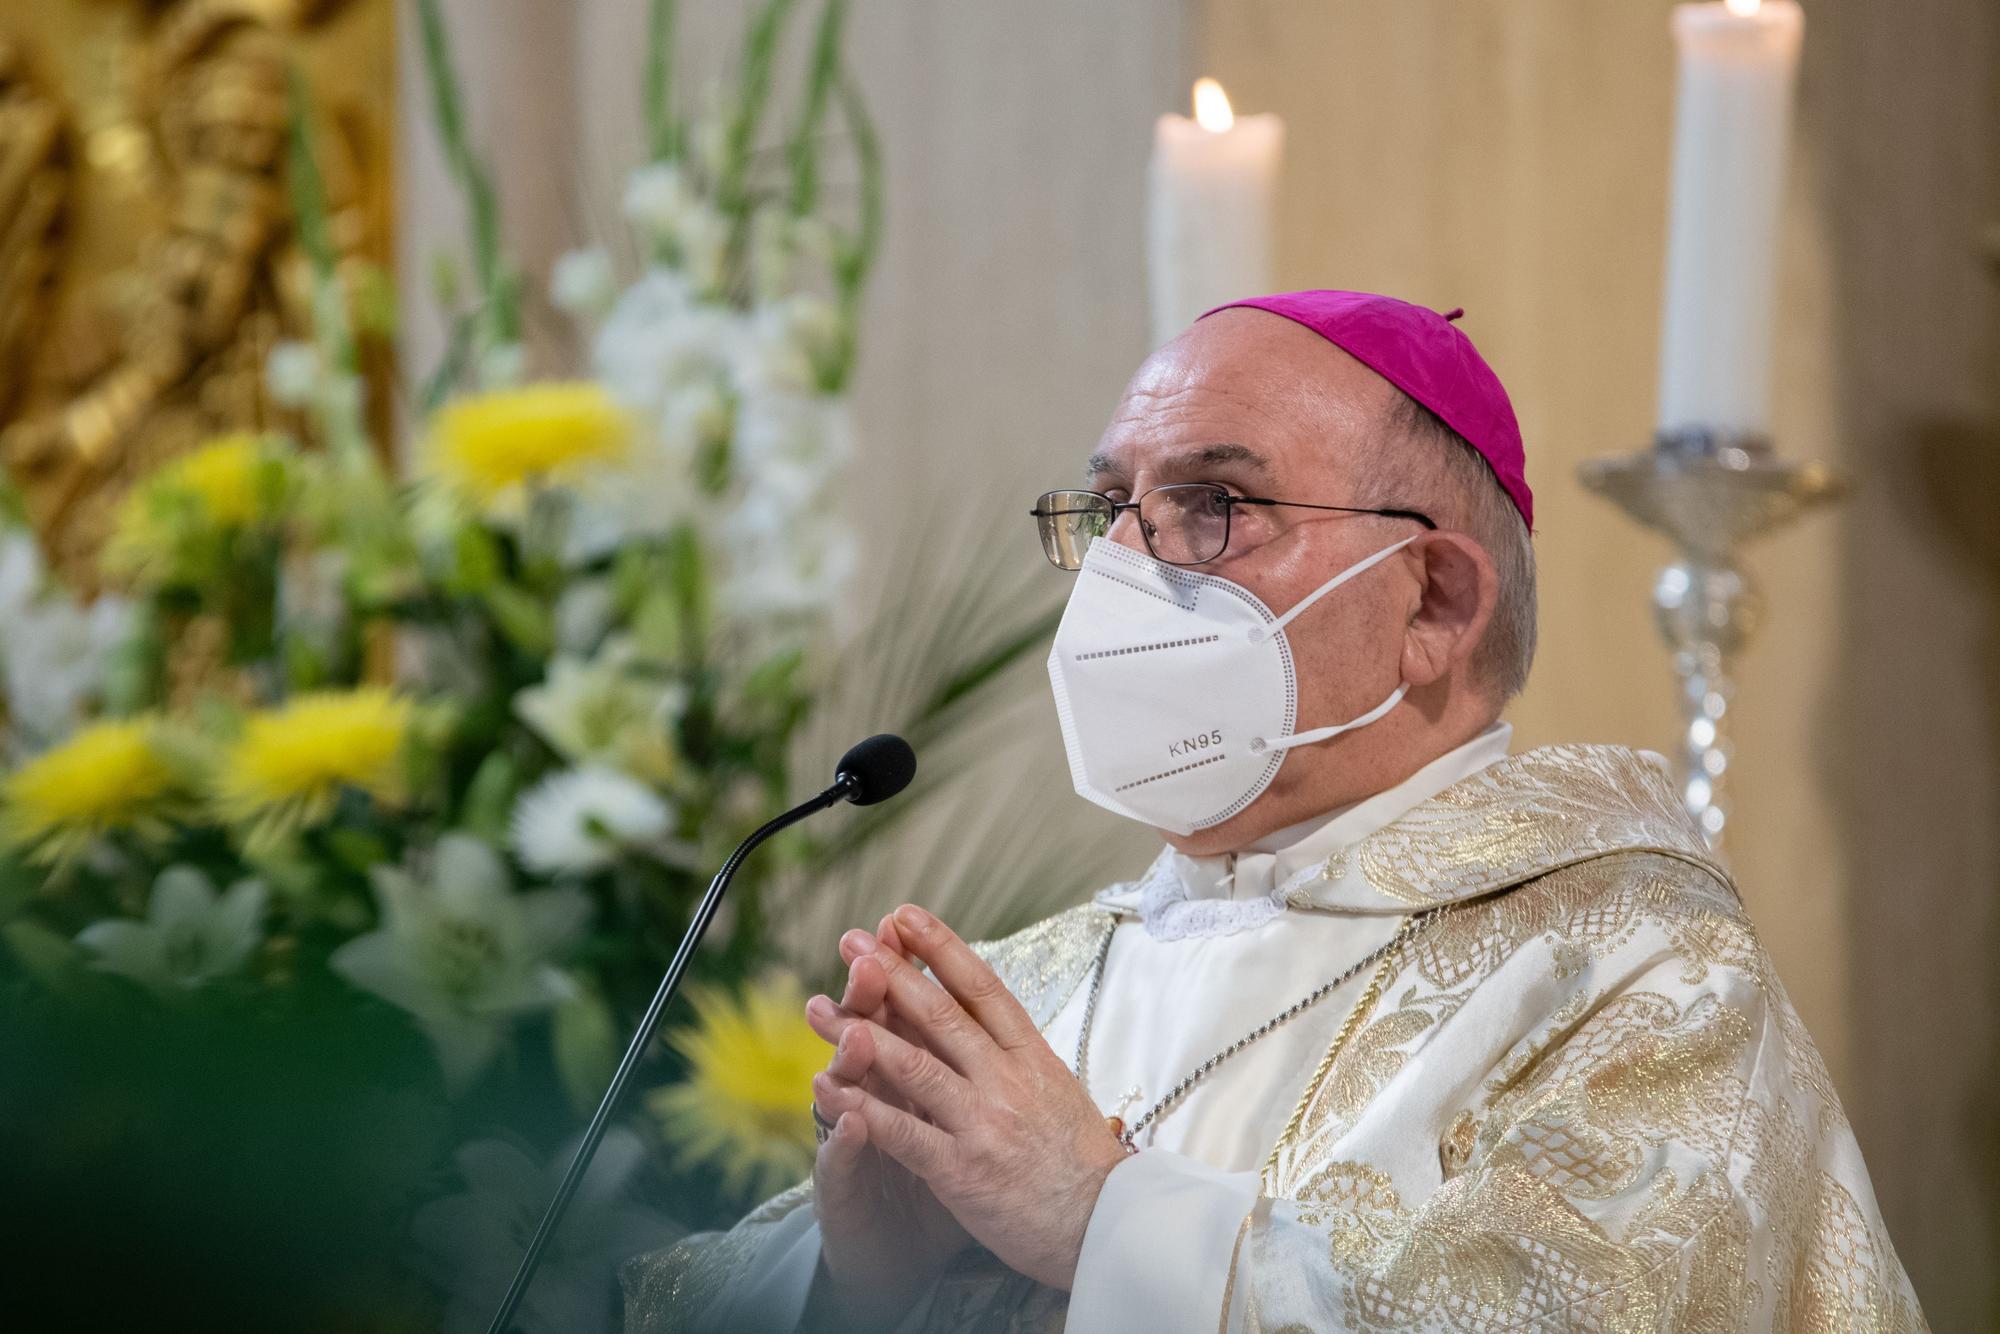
x: 1578, y: 1099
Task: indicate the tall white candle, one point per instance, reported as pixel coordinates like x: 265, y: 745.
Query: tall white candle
x: 1732, y: 119
x: 1210, y: 188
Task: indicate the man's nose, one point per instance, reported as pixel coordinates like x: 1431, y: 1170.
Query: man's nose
x: 1126, y: 531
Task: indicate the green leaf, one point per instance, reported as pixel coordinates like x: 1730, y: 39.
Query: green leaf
x: 712, y: 466
x: 134, y: 667
x: 489, y: 798
x: 656, y: 626
x: 18, y: 884
x: 13, y: 506
x: 523, y: 618
x: 446, y: 280
x: 476, y: 569
x: 357, y: 849
x: 375, y: 310
x: 305, y: 665
x: 48, y: 957
x: 1031, y: 636
x: 773, y: 683
x: 586, y: 1047
x: 687, y: 577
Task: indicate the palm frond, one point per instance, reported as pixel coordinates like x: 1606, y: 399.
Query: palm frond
x: 990, y: 834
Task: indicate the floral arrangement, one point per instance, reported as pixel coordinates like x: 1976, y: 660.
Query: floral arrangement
x: 446, y: 751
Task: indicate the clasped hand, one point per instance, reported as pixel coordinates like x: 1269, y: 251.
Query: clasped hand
x: 953, y: 1118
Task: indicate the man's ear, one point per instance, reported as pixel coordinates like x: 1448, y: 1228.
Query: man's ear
x: 1459, y: 591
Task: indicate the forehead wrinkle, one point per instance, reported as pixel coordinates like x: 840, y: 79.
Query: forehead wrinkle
x: 1216, y: 413
x: 1193, y: 460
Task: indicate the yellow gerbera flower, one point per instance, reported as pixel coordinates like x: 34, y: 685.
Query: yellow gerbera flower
x: 229, y: 476
x: 232, y: 482
x: 743, y: 1105
x: 489, y: 444
x: 108, y: 776
x: 291, y: 763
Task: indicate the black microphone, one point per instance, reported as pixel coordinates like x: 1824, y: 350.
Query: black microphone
x: 875, y: 770
x: 871, y: 771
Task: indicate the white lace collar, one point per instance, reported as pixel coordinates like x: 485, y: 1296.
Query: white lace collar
x: 1181, y: 896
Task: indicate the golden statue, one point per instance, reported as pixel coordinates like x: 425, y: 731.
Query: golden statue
x: 147, y: 262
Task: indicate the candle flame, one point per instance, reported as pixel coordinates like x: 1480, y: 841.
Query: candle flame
x: 1743, y: 9
x: 1211, y: 106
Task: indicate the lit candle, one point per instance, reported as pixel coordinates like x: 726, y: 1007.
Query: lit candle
x: 1208, y: 220
x: 1732, y: 118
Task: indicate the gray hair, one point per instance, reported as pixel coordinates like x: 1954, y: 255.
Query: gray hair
x: 1433, y: 468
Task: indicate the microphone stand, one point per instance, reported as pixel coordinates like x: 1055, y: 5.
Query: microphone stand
x: 845, y: 786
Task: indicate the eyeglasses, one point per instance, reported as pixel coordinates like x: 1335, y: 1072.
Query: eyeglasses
x: 1185, y: 523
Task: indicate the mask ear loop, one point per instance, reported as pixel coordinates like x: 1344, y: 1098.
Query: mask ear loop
x: 1323, y: 733
x: 1258, y: 633
x: 1396, y: 697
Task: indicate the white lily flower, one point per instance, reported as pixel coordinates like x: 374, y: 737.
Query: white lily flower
x: 804, y: 578
x: 190, y: 934
x: 581, y: 820
x: 312, y: 596
x: 582, y: 282
x: 604, y: 710
x: 660, y: 336
x: 643, y: 496
x: 462, y: 952
x: 656, y: 198
x: 291, y: 372
x: 797, y: 335
x: 771, y: 251
x: 21, y: 572
x: 583, y: 614
x: 53, y: 651
x: 468, y: 1243
x: 772, y: 424
x: 501, y: 366
x: 699, y: 411
x: 771, y: 362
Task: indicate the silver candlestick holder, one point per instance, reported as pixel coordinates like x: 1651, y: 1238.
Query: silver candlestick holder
x: 1709, y: 493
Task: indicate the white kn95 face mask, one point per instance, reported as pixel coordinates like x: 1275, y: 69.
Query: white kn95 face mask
x: 1176, y: 689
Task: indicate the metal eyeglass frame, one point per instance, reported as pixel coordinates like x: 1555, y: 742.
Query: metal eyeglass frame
x: 1229, y: 504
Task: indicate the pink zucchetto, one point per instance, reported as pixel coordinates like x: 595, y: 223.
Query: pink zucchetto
x: 1423, y: 354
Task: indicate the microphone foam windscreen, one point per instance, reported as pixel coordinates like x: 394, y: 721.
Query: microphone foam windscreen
x: 881, y: 766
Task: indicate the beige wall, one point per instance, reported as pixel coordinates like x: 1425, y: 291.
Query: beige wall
x: 1509, y: 156
x: 1907, y: 98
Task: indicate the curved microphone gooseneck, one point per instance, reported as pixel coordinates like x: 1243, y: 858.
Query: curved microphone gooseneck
x: 873, y: 770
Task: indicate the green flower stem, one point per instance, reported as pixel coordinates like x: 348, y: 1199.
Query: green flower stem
x: 803, y: 150
x: 544, y: 525
x: 760, y: 49
x: 340, y: 414
x: 499, y: 288
x: 662, y: 133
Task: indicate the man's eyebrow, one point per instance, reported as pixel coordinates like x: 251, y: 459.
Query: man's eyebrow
x: 1214, y: 456
x: 1191, y: 460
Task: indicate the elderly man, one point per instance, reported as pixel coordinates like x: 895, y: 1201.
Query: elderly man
x: 1399, y: 1031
